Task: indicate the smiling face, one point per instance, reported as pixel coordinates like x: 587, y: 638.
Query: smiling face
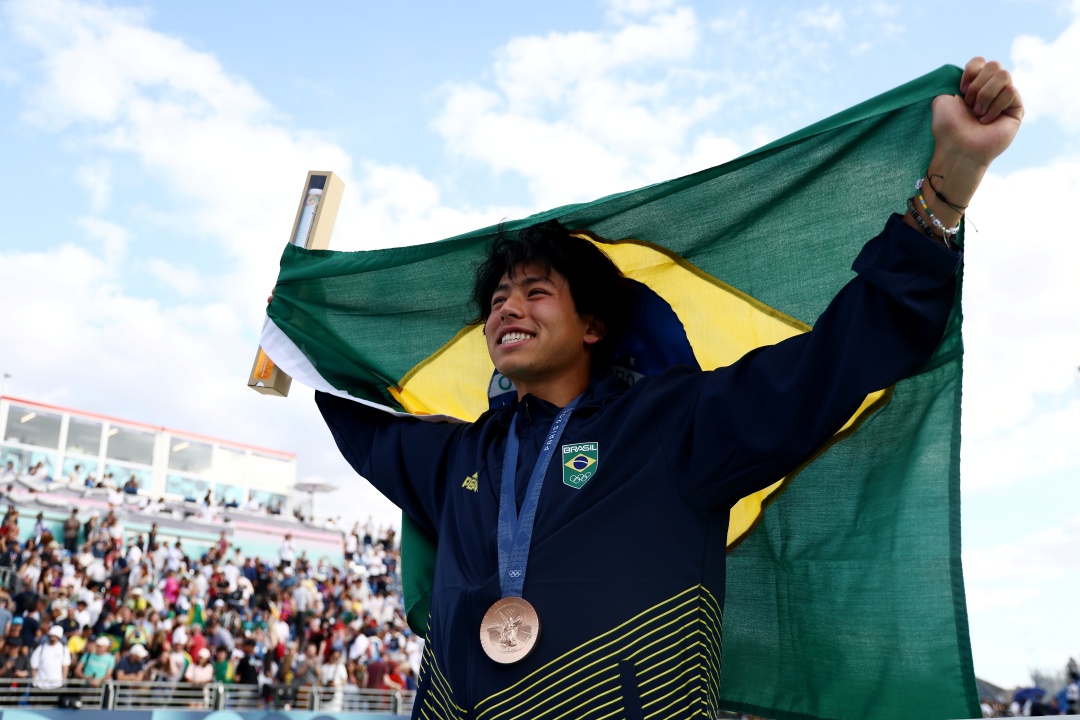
x: 536, y: 337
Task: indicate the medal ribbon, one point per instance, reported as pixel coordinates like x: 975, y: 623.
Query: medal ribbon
x: 515, y: 528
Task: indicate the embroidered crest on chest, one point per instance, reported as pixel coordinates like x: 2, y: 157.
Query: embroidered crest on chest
x: 580, y: 462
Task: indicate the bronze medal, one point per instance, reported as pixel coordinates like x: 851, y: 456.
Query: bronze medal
x: 509, y: 630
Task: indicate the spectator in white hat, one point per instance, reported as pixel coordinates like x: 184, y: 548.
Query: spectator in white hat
x: 201, y: 671
x: 132, y: 667
x: 50, y: 661
x: 97, y: 665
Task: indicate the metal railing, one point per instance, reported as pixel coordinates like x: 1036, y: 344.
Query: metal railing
x: 76, y: 693
x: 171, y: 695
x: 116, y: 695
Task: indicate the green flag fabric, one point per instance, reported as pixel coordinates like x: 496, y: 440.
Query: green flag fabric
x: 845, y: 594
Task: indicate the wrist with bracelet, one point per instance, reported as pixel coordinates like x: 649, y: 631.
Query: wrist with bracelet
x: 931, y: 225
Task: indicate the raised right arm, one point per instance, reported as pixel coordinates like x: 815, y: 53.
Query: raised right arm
x: 404, y: 458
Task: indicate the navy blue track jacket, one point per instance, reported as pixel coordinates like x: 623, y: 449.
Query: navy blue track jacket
x: 675, y: 452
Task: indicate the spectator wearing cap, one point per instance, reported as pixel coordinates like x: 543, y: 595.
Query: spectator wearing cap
x: 200, y: 672
x: 97, y: 665
x: 50, y: 661
x: 132, y: 666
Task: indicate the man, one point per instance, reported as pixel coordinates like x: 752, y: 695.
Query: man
x: 247, y: 669
x: 50, y: 661
x: 552, y: 309
x: 31, y: 621
x: 218, y: 635
x: 222, y: 545
x: 96, y: 667
x: 71, y: 531
x: 65, y: 620
x: 132, y: 666
x: 303, y: 601
x: 287, y: 551
x: 15, y: 665
x: 78, y: 642
x: 307, y: 669
x: 174, y: 557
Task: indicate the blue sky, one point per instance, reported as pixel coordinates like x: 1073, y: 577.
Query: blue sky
x: 154, y: 152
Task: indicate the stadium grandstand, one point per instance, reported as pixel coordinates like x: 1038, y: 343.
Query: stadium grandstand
x: 148, y: 568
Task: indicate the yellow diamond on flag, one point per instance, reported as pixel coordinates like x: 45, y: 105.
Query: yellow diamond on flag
x: 580, y: 462
x: 722, y: 324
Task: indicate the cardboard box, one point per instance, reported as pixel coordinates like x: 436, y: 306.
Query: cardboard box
x: 312, y: 228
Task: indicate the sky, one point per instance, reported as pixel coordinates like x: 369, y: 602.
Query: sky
x: 153, y: 155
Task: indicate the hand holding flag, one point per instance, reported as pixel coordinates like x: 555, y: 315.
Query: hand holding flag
x: 970, y: 131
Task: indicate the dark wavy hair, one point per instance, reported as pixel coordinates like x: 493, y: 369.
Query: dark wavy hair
x: 597, y: 286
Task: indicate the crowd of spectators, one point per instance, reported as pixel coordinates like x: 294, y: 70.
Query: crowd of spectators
x: 1062, y: 698
x: 129, y: 492
x: 99, y: 604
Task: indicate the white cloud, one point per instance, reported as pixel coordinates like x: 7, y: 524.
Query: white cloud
x: 824, y: 17
x: 114, y: 238
x: 103, y: 336
x: 96, y: 178
x: 184, y: 279
x: 1019, y: 591
x: 1022, y: 331
x: 619, y: 9
x: 1043, y: 72
x: 582, y: 114
x: 99, y: 60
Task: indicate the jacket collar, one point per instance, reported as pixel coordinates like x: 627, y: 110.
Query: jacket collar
x: 602, y: 390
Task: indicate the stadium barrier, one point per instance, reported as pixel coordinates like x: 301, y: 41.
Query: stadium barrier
x: 116, y: 695
x: 20, y: 693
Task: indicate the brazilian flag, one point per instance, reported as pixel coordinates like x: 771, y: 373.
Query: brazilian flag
x: 196, y: 614
x: 845, y: 595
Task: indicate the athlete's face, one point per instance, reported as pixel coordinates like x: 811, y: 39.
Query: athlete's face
x: 534, y: 333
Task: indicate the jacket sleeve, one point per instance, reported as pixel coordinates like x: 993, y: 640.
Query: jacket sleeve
x: 753, y: 422
x: 404, y: 458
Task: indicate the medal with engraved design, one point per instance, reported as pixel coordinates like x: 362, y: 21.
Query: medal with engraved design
x: 509, y: 630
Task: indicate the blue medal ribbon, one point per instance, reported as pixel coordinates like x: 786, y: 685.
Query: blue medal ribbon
x: 515, y: 528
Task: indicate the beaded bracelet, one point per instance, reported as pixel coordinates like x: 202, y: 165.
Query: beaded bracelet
x: 941, y: 196
x: 946, y: 231
x: 927, y: 230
